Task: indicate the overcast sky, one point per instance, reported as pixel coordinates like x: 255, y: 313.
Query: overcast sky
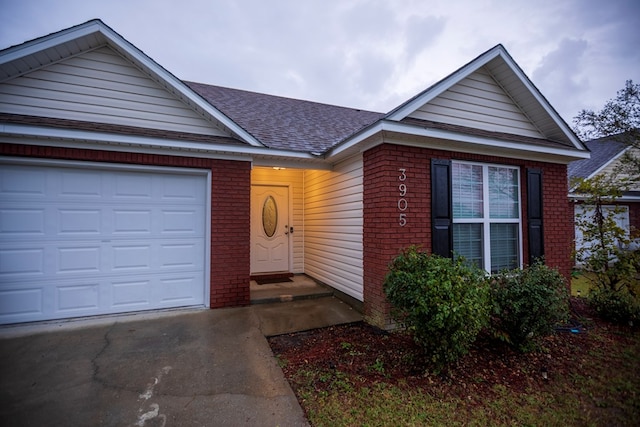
x: 368, y: 54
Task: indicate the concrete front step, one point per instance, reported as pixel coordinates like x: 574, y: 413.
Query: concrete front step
x: 300, y: 288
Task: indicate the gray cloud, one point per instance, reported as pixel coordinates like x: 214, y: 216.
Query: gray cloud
x: 561, y: 71
x: 369, y: 54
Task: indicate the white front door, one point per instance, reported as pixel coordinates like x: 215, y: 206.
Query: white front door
x: 269, y: 229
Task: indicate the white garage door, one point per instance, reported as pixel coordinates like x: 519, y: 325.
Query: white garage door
x: 89, y: 241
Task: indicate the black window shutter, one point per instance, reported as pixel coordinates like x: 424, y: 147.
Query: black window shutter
x: 441, y: 208
x: 534, y: 214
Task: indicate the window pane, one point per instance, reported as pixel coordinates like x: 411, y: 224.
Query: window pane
x: 503, y: 193
x: 504, y: 247
x: 467, y: 191
x: 467, y: 243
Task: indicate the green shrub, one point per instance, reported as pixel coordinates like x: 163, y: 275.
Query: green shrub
x: 528, y: 304
x: 442, y: 302
x: 617, y: 306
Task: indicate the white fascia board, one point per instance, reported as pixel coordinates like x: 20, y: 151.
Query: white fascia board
x: 624, y: 198
x: 52, y: 40
x: 444, y: 84
x: 487, y: 142
x: 400, y: 128
x: 606, y: 164
x: 358, y: 138
x: 143, y: 143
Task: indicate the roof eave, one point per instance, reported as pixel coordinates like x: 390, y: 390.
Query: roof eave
x: 453, y: 141
x: 40, y: 135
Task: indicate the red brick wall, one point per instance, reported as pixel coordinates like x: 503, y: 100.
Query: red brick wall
x: 230, y: 210
x: 230, y: 233
x: 384, y: 237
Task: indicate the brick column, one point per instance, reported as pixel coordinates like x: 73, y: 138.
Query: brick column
x: 383, y: 202
x: 558, y: 219
x: 230, y: 233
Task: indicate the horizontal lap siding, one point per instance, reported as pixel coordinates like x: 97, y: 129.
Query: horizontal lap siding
x: 294, y: 179
x: 611, y: 168
x: 333, y: 226
x: 100, y: 86
x: 478, y: 102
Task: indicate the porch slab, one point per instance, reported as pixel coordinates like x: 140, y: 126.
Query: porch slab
x: 303, y: 315
x: 300, y: 287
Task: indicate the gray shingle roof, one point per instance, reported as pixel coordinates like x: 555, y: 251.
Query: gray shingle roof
x: 285, y: 123
x: 603, y: 150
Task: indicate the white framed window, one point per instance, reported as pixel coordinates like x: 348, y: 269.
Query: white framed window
x: 487, y: 224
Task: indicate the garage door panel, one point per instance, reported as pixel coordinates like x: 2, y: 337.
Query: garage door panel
x: 78, y: 298
x: 80, y: 242
x: 134, y: 186
x: 21, y: 261
x: 21, y: 222
x: 181, y: 188
x: 79, y: 221
x: 78, y: 259
x: 131, y: 294
x: 131, y: 257
x: 179, y: 221
x: 80, y: 184
x: 178, y: 289
x: 132, y: 221
x: 17, y: 304
x: 25, y: 182
x: 180, y: 255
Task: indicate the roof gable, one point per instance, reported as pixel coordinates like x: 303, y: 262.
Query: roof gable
x: 101, y: 86
x: 604, y: 151
x: 478, y: 101
x: 490, y: 93
x: 92, y: 36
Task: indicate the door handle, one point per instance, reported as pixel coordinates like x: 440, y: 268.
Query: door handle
x: 288, y: 230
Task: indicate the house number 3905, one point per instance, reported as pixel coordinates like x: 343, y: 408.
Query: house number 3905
x: 402, y: 202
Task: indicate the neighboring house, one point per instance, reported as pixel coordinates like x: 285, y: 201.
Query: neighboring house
x: 605, y: 156
x: 123, y: 188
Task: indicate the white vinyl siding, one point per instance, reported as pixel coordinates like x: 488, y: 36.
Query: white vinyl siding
x: 478, y: 102
x: 100, y: 86
x: 611, y: 167
x: 294, y: 179
x: 619, y: 214
x: 333, y: 226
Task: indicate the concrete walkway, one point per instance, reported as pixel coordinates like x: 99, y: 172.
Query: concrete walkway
x: 194, y: 368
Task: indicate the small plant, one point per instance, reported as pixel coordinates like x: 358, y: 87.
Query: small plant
x: 378, y: 366
x: 617, y: 306
x: 442, y: 302
x: 528, y: 304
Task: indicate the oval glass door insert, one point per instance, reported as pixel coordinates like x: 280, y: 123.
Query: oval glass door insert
x: 269, y: 216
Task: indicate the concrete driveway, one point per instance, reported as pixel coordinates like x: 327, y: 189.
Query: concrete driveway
x: 199, y: 368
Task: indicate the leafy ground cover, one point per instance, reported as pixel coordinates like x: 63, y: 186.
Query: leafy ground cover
x: 359, y: 375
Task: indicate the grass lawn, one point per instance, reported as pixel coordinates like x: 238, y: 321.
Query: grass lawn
x: 357, y: 375
x: 580, y: 285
